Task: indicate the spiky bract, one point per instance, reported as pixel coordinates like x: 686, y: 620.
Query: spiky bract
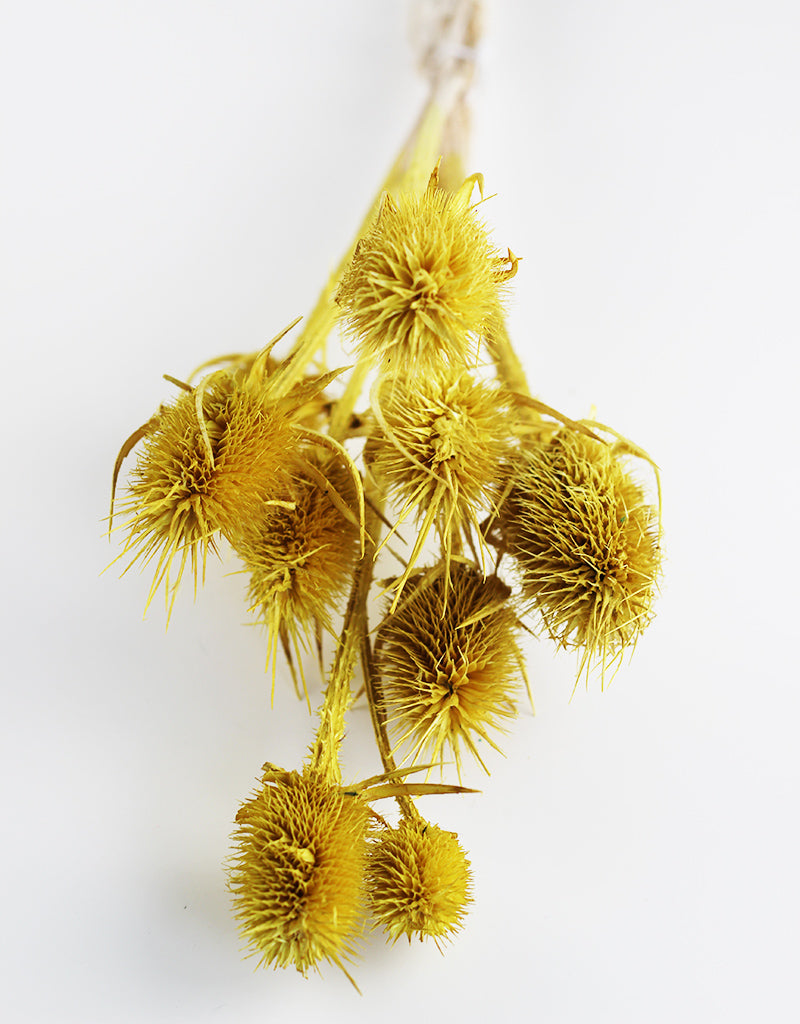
x: 300, y: 559
x: 449, y: 663
x: 297, y: 871
x: 586, y: 542
x: 419, y: 881
x: 207, y: 463
x: 424, y: 280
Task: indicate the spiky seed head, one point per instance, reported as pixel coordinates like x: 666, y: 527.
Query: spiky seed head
x: 297, y: 872
x: 205, y: 466
x: 300, y: 555
x: 443, y: 441
x: 449, y: 663
x: 419, y: 881
x: 424, y: 280
x: 586, y: 542
x: 439, y: 450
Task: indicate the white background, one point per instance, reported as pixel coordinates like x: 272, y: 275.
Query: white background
x: 176, y: 180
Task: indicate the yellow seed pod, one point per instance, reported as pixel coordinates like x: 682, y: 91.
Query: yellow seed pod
x: 449, y: 664
x: 212, y: 461
x: 424, y: 280
x: 300, y: 556
x: 297, y: 871
x: 206, y: 463
x: 418, y: 881
x: 440, y: 449
x: 586, y: 542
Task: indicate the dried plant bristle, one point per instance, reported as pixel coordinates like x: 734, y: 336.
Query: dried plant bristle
x: 297, y: 872
x: 586, y: 542
x: 449, y: 664
x: 424, y: 280
x: 419, y: 881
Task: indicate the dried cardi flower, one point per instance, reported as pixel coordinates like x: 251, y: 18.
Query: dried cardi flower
x: 439, y: 450
x: 207, y: 462
x: 214, y: 459
x: 586, y: 542
x: 297, y: 871
x: 449, y: 663
x: 300, y: 556
x: 419, y: 881
x: 254, y: 455
x: 424, y: 280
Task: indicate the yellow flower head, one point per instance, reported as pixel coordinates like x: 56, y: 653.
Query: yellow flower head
x: 424, y: 280
x: 300, y: 556
x: 586, y: 542
x: 449, y: 663
x: 297, y: 871
x: 439, y: 449
x: 419, y: 881
x: 214, y: 460
x: 207, y: 463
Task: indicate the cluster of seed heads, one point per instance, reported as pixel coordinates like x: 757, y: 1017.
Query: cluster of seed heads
x: 509, y: 511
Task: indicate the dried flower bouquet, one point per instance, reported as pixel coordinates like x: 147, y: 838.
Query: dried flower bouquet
x: 514, y: 511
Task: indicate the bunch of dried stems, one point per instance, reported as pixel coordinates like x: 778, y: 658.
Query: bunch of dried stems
x: 511, y: 511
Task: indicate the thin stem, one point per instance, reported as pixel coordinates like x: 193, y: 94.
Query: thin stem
x: 372, y: 683
x: 343, y: 409
x: 506, y: 360
x: 324, y: 757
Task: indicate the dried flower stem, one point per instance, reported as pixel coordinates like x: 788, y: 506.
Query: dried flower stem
x: 371, y: 679
x: 506, y: 361
x: 254, y: 454
x: 324, y: 757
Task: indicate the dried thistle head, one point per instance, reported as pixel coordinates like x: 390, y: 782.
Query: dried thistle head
x: 439, y: 450
x: 449, y: 663
x: 418, y: 881
x: 424, y: 280
x: 212, y: 460
x: 297, y: 871
x: 300, y: 556
x: 586, y: 542
x: 206, y: 463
